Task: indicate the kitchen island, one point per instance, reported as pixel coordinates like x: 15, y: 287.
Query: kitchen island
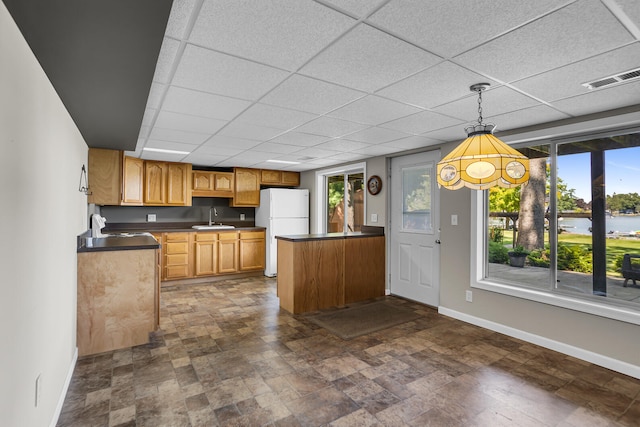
x: 118, y: 291
x: 318, y: 271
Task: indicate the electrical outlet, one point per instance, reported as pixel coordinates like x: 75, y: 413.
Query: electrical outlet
x: 242, y: 217
x: 454, y: 219
x: 38, y: 390
x: 374, y: 217
x: 469, y: 296
x: 151, y: 217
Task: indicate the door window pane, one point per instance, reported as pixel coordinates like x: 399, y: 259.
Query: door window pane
x: 417, y: 198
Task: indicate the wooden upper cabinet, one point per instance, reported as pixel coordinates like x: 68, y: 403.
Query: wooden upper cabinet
x: 270, y: 177
x: 179, y: 184
x: 105, y: 176
x: 247, y: 188
x: 167, y: 184
x: 212, y: 184
x: 132, y: 181
x: 114, y: 179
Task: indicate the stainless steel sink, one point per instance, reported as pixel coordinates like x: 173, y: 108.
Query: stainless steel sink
x: 213, y: 227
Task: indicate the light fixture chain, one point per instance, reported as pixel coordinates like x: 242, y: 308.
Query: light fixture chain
x: 480, y: 106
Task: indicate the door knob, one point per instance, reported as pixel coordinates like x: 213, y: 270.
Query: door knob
x: 438, y: 241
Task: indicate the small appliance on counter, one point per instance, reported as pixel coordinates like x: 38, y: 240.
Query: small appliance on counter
x: 97, y: 224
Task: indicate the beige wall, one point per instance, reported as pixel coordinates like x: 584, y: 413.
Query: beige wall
x: 42, y: 212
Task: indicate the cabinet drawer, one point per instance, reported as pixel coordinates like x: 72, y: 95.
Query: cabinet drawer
x: 251, y: 235
x: 177, y: 237
x: 177, y: 248
x: 177, y: 271
x: 228, y: 236
x: 177, y: 259
x: 206, y: 237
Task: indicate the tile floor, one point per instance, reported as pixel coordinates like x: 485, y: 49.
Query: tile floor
x: 227, y: 356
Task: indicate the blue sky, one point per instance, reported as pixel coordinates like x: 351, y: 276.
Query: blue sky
x: 622, y: 173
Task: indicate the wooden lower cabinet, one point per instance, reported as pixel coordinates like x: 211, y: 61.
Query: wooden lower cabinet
x: 176, y: 253
x: 187, y: 255
x: 252, y: 250
x: 227, y: 253
x: 206, y: 254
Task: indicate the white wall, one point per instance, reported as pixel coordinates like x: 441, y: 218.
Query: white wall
x: 41, y: 155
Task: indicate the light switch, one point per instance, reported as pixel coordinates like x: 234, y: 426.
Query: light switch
x: 374, y: 217
x: 151, y: 217
x: 454, y: 219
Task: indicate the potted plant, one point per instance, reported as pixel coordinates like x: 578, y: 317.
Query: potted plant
x: 518, y: 256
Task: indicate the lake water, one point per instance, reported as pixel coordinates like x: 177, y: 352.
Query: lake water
x: 622, y: 224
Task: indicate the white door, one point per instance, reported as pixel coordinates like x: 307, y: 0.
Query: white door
x: 415, y: 228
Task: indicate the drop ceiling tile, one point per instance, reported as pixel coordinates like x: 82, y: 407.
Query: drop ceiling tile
x: 368, y: 59
x: 330, y: 127
x: 223, y: 141
x: 346, y: 157
x: 204, y: 159
x: 567, y: 81
x: 234, y: 77
x: 147, y: 118
x: 275, y: 117
x: 453, y: 133
x: 495, y: 101
x: 375, y: 135
x: 268, y: 147
x: 182, y: 136
x: 429, y: 89
x: 166, y: 58
x: 342, y: 145
x: 203, y: 104
x: 311, y: 95
x: 247, y: 131
x: 155, y: 95
x: 359, y: 8
x: 163, y: 157
x: 424, y: 121
x: 144, y: 131
x: 631, y: 8
x: 181, y: 11
x: 373, y: 110
x: 412, y: 142
x: 377, y: 150
x: 218, y: 151
x: 603, y: 99
x: 316, y: 153
x: 326, y: 161
x: 170, y: 145
x: 281, y: 33
x: 237, y: 162
x: 300, y: 139
x: 525, y: 117
x: 185, y: 122
x: 575, y: 32
x: 450, y: 27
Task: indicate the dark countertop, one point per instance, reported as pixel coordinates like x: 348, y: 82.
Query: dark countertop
x: 369, y: 232
x: 166, y: 227
x: 86, y: 243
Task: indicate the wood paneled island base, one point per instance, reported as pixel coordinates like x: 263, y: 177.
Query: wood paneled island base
x: 319, y: 271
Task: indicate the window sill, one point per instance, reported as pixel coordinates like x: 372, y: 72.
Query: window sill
x: 621, y: 313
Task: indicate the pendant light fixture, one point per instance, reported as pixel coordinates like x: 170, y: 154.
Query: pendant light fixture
x: 482, y: 161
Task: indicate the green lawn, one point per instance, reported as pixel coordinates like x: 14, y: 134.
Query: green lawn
x: 615, y: 247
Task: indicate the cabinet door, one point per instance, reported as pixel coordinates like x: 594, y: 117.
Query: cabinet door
x: 206, y: 254
x: 132, y: 181
x: 268, y: 177
x: 105, y: 176
x: 247, y: 184
x: 227, y: 253
x: 178, y: 185
x: 202, y: 182
x: 252, y: 254
x: 223, y: 184
x: 154, y: 183
x: 291, y: 179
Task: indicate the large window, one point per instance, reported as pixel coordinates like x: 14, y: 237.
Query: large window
x: 576, y: 226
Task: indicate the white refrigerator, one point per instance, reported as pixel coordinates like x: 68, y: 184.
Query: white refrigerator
x: 283, y: 212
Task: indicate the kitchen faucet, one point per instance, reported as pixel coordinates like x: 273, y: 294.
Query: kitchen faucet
x: 215, y: 213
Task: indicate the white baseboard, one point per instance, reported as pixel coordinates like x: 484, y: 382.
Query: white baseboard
x: 577, y: 352
x: 65, y: 388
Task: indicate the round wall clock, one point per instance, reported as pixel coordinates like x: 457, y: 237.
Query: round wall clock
x: 374, y: 185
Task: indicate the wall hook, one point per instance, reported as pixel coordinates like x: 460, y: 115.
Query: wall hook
x: 83, y: 180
